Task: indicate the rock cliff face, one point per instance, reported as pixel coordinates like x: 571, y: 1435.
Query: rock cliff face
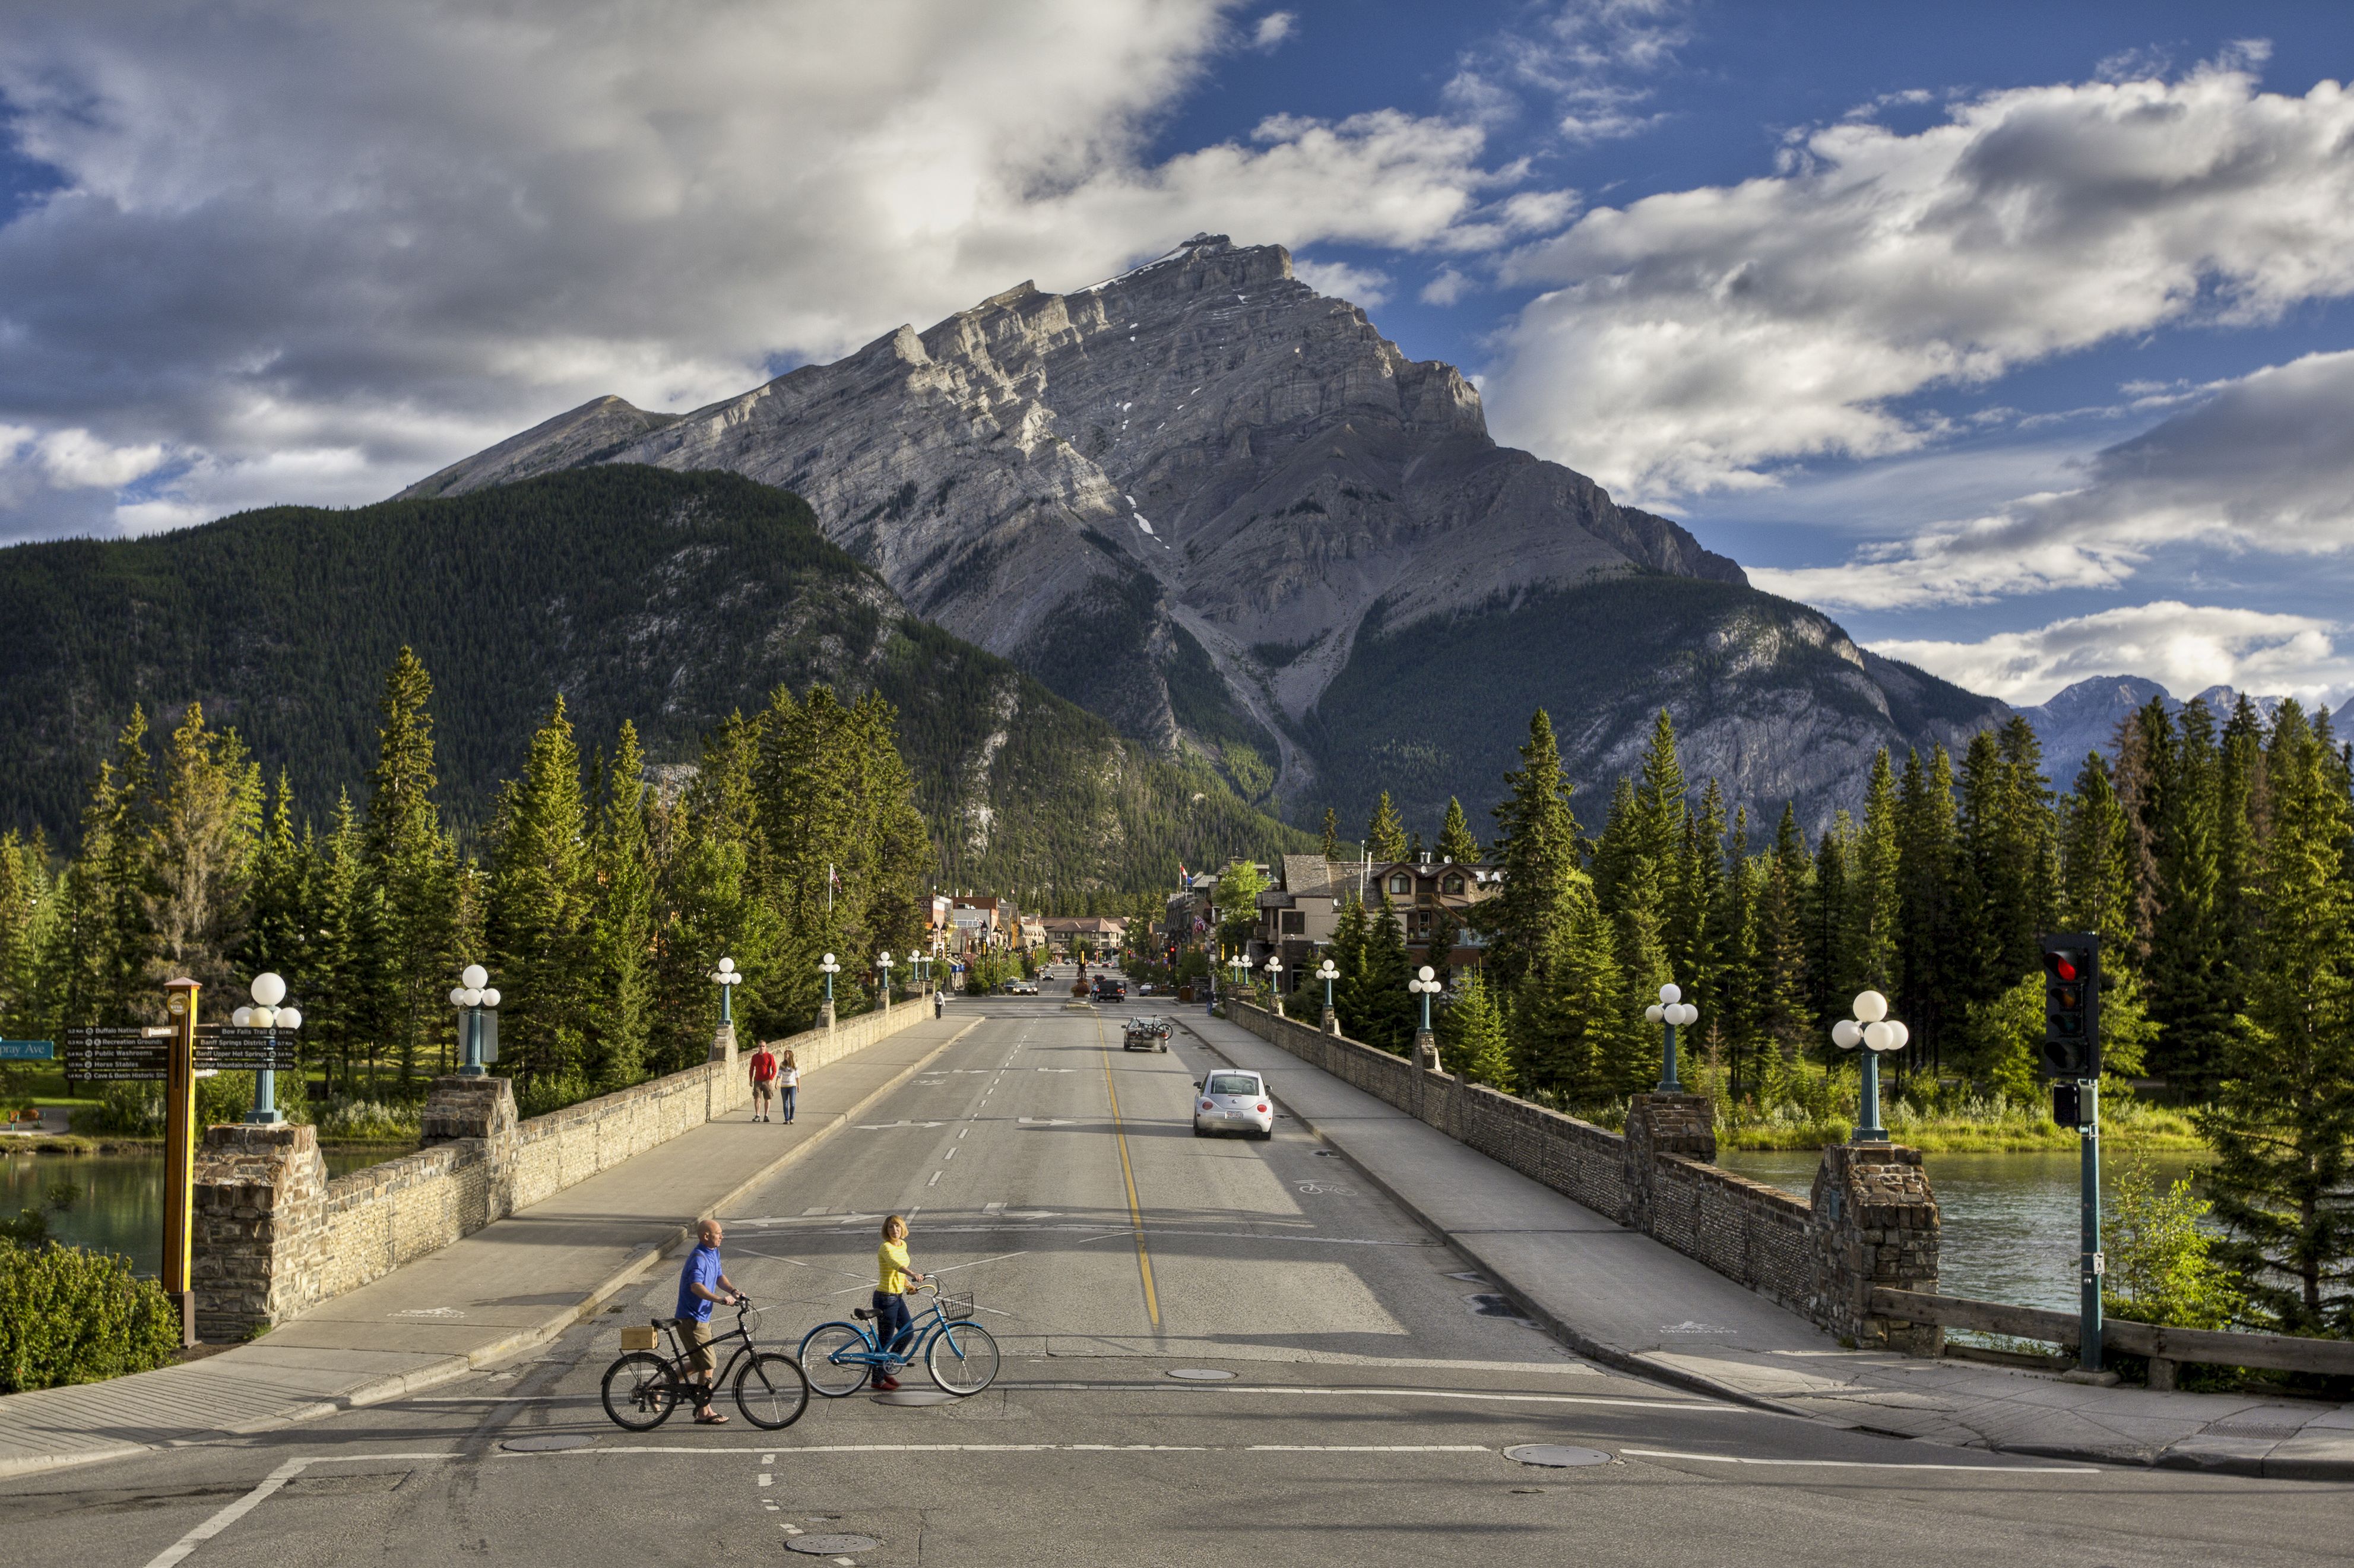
x: 1190, y: 498
x: 1129, y: 487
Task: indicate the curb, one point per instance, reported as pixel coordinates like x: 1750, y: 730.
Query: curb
x: 447, y: 1369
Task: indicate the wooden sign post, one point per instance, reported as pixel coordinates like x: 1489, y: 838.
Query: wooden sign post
x: 180, y: 1153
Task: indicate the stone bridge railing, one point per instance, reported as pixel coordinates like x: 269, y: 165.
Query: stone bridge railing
x: 1871, y: 1221
x: 275, y: 1237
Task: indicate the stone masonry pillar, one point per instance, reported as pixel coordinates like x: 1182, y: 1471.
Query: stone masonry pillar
x: 1332, y: 1022
x: 484, y: 1108
x: 1875, y: 1223
x: 723, y: 1044
x: 1663, y: 1124
x: 260, y: 1227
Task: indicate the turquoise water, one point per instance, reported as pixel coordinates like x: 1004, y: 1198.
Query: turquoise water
x: 2009, y: 1220
x: 119, y: 1198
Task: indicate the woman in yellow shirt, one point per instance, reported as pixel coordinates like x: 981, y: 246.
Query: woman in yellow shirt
x: 892, y: 1325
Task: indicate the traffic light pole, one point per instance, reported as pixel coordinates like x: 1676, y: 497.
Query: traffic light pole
x: 2090, y: 1263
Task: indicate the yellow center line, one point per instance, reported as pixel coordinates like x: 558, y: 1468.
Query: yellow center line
x: 1128, y: 1174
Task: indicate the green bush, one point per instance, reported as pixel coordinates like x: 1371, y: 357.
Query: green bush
x: 70, y: 1316
x: 136, y: 1110
x: 369, y: 1121
x: 2159, y: 1270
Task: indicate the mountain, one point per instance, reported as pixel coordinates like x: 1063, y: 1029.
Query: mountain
x: 2085, y: 717
x: 1201, y: 498
x: 668, y: 599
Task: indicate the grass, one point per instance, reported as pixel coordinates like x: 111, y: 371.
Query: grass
x: 2123, y: 1124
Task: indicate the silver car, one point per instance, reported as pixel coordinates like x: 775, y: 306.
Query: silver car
x: 1232, y: 1100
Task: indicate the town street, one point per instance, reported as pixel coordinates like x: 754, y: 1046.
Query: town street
x: 1375, y: 1385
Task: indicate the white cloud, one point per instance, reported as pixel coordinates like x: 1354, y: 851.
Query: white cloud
x: 1447, y: 286
x: 2264, y: 463
x: 332, y: 247
x: 1694, y: 340
x: 1583, y: 55
x: 2185, y: 647
x: 1359, y: 285
x: 76, y: 459
x: 1274, y: 30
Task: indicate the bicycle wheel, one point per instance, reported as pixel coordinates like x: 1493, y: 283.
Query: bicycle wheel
x: 638, y: 1393
x: 771, y: 1390
x: 962, y: 1359
x: 834, y: 1358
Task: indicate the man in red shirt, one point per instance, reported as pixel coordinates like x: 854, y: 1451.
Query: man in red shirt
x: 764, y: 1081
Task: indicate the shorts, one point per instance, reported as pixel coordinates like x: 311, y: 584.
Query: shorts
x: 699, y: 1354
x: 762, y: 1091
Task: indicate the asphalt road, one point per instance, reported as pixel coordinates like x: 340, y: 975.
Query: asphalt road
x: 1374, y: 1393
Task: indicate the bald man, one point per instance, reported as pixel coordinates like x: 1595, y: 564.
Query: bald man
x: 700, y: 1284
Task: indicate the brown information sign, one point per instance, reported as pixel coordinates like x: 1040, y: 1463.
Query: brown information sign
x: 229, y: 1048
x: 117, y: 1054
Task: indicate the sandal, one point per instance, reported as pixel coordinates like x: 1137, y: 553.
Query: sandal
x: 710, y: 1418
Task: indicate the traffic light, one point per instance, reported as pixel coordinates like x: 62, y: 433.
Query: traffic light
x: 2072, y: 1006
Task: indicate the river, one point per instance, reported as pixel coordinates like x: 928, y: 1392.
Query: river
x: 119, y: 1207
x: 2009, y: 1220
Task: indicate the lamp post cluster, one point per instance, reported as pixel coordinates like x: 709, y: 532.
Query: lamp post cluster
x: 1878, y: 1035
x: 883, y: 963
x: 829, y: 969
x: 726, y: 977
x: 1672, y: 1010
x: 1327, y: 972
x: 1274, y: 982
x: 472, y: 997
x: 268, y: 992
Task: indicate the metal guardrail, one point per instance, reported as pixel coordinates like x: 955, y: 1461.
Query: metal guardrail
x: 2269, y: 1352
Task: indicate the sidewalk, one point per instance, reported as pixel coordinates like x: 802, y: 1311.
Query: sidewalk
x: 1630, y: 1302
x: 513, y: 1284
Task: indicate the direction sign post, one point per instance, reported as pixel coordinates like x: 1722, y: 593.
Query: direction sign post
x: 180, y: 1153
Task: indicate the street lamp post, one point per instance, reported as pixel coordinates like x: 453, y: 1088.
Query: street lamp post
x: 1672, y: 1010
x: 1878, y: 1035
x: 883, y: 963
x: 1275, y: 981
x: 268, y: 992
x: 829, y: 969
x: 1425, y: 984
x: 474, y: 993
x: 726, y: 977
x: 1328, y: 972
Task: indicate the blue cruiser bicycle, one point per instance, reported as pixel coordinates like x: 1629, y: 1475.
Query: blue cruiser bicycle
x: 838, y: 1358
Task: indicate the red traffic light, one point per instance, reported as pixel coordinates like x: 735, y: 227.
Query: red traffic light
x: 2062, y: 964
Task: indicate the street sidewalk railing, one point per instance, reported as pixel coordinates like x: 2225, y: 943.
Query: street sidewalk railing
x: 2167, y: 1349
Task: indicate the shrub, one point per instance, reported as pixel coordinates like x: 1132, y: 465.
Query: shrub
x: 71, y: 1316
x: 2158, y: 1266
x: 368, y: 1121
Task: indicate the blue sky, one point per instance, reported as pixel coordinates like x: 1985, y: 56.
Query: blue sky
x: 2016, y: 336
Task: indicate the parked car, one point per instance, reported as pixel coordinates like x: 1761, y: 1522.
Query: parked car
x: 1144, y: 989
x: 1231, y: 1100
x: 1145, y: 1033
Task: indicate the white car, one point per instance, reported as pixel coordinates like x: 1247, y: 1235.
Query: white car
x: 1232, y: 1100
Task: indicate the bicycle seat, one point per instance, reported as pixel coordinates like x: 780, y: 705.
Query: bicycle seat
x: 864, y: 1314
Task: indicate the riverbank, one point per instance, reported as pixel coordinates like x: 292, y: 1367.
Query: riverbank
x: 1969, y: 1138
x: 28, y: 1143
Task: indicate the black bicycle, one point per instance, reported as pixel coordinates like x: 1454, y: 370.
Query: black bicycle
x: 642, y: 1387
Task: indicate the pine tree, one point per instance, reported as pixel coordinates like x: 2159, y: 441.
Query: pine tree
x: 1331, y: 834
x: 1927, y: 860
x: 343, y: 973
x: 2096, y: 888
x: 1391, y: 1011
x: 1829, y: 923
x: 1538, y: 856
x: 622, y: 919
x: 2242, y: 819
x: 1874, y: 895
x: 111, y: 939
x: 1783, y: 1020
x: 1386, y: 834
x: 1438, y: 950
x: 1347, y: 953
x: 1737, y: 1009
x: 2189, y: 994
x: 1695, y: 935
x: 412, y: 866
x: 2281, y: 1121
x: 28, y: 925
x: 1456, y: 842
x: 538, y: 922
x: 201, y: 850
x: 1473, y: 1042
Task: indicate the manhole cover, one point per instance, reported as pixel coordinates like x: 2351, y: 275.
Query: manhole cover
x: 915, y: 1396
x: 832, y: 1545
x: 549, y: 1443
x: 1555, y: 1456
x: 1200, y: 1374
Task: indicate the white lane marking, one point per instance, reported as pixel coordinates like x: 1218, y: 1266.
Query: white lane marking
x: 1368, y: 1448
x: 769, y: 1459
x: 934, y: 1182
x: 976, y: 1263
x: 708, y: 1450
x: 1867, y: 1464
x: 963, y: 1132
x: 1698, y: 1406
x: 232, y: 1512
x: 765, y: 1477
x: 949, y: 1156
x: 996, y: 1208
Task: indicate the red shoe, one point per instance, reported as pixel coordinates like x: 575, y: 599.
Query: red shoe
x: 887, y: 1385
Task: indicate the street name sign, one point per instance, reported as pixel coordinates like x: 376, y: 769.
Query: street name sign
x: 26, y: 1051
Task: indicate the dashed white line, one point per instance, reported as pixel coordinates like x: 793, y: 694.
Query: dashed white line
x: 1866, y: 1464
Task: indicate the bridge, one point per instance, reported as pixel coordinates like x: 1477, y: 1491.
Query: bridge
x: 1363, y: 1339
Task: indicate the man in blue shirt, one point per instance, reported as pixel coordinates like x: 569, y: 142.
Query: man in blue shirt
x: 700, y: 1284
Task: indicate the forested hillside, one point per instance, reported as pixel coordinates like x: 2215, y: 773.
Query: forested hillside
x: 669, y: 600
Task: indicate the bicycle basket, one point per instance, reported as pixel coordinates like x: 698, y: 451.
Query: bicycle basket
x: 956, y: 1309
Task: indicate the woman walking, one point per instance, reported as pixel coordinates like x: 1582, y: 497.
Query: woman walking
x: 893, y: 1323
x: 789, y: 1084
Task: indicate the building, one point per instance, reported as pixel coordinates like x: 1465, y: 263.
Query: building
x: 1300, y: 915
x: 1101, y: 935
